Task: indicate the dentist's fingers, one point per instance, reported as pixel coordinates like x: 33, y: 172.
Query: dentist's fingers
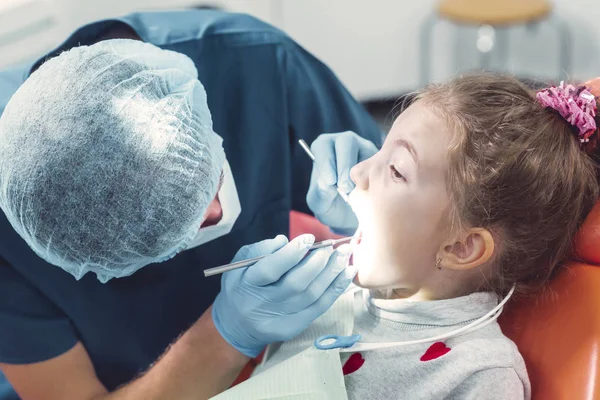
x: 271, y: 268
x: 366, y: 148
x: 303, y: 275
x: 262, y: 248
x: 330, y: 295
x: 325, y: 159
x: 321, y: 196
x: 346, y: 153
x: 306, y: 293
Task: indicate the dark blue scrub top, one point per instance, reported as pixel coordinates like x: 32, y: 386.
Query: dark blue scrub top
x: 265, y: 92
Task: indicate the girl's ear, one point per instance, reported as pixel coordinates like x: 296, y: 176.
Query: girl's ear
x: 474, y: 249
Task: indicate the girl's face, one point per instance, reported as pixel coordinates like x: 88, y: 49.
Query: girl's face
x: 401, y: 202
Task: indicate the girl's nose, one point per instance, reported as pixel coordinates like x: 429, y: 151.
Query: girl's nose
x: 360, y: 175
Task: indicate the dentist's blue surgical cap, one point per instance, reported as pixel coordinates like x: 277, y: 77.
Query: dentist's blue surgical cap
x: 108, y: 159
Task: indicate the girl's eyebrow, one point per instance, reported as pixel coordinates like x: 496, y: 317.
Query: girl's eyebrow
x: 408, y: 146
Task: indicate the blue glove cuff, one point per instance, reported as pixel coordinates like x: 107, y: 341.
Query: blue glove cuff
x: 250, y: 352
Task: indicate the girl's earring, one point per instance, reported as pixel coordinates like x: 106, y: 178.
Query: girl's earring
x: 437, y: 264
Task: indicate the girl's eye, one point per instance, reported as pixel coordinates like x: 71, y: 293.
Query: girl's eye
x: 395, y: 174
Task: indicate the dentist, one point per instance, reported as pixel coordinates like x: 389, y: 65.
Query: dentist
x: 140, y: 152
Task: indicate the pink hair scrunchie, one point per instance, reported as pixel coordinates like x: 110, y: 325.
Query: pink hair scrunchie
x: 577, y: 105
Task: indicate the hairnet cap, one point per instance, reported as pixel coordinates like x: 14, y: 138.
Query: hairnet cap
x: 109, y: 160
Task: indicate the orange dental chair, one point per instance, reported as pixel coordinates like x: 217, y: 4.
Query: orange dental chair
x: 558, y: 330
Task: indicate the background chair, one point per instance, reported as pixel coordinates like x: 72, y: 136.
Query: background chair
x: 493, y: 18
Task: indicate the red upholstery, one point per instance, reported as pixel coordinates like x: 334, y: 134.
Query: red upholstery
x: 301, y: 223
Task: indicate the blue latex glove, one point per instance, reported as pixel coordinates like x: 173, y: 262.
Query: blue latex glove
x: 335, y: 154
x: 279, y: 296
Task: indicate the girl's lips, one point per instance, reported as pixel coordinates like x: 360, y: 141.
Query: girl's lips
x: 356, y: 239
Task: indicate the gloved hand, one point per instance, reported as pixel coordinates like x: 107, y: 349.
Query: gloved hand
x: 279, y: 296
x: 335, y: 154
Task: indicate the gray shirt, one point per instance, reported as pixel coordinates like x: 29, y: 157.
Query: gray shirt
x: 483, y: 364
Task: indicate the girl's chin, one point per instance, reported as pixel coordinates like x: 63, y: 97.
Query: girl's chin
x: 364, y: 279
x: 369, y: 278
x: 357, y: 281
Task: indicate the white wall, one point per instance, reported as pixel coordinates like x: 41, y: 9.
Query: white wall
x: 372, y: 45
x: 23, y: 37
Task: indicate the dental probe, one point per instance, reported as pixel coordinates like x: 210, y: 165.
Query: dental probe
x: 305, y: 147
x: 250, y: 261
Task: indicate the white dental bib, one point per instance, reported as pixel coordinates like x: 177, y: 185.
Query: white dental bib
x: 298, y: 370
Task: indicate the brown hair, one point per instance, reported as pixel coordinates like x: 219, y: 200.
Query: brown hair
x: 515, y: 169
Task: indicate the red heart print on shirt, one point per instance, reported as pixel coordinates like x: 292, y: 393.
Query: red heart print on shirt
x: 436, y: 350
x: 353, y: 364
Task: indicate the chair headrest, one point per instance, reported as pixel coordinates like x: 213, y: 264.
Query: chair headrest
x: 587, y: 242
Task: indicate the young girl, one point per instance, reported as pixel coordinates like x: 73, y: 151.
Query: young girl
x: 480, y: 185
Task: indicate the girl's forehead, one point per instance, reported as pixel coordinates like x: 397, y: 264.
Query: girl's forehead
x: 419, y: 124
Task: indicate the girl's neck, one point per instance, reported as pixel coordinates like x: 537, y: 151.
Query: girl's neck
x: 441, y: 290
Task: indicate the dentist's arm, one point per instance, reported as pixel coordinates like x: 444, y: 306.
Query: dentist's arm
x: 273, y: 300
x: 198, y: 365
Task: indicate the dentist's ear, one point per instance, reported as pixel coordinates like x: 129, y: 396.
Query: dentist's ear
x: 472, y: 250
